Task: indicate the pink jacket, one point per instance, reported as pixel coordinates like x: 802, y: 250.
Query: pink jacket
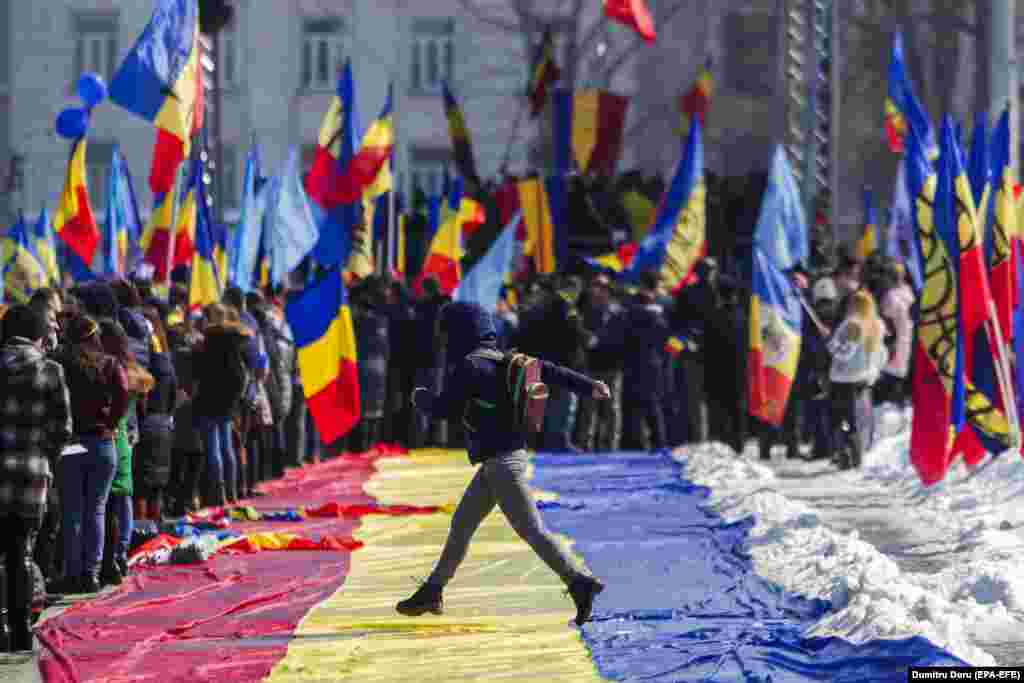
x: 896, y: 305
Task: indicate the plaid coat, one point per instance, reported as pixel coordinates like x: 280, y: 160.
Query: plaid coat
x: 35, y: 424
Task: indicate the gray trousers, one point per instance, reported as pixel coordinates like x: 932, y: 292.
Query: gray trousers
x: 500, y: 481
x: 599, y: 423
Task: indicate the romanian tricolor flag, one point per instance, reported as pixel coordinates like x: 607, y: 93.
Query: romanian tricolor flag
x: 123, y: 225
x: 618, y: 260
x: 774, y: 352
x: 185, y: 231
x: 678, y: 239
x: 545, y: 73
x: 634, y: 14
x: 156, y: 239
x: 697, y: 100
x: 539, y: 239
x: 444, y: 257
x: 588, y: 130
x: 337, y: 215
x: 160, y: 81
x: 22, y: 272
x: 46, y: 247
x: 462, y: 143
x: 868, y: 243
x: 205, y: 286
x: 902, y: 108
x: 74, y: 221
x: 321, y: 324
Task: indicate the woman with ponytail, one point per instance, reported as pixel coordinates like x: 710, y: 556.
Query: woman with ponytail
x: 98, y: 384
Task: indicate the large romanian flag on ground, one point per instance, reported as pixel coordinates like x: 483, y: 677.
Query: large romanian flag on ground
x: 321, y: 324
x: 679, y: 236
x: 73, y: 221
x: 588, y: 130
x: 774, y: 351
x: 160, y: 81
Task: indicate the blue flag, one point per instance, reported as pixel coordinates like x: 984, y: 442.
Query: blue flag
x: 901, y: 92
x: 978, y: 170
x: 482, y: 285
x: 901, y: 241
x: 245, y: 243
x: 123, y: 227
x: 781, y: 231
x: 289, y: 223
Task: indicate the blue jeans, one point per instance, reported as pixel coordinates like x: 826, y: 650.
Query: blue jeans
x: 121, y: 507
x: 85, y: 481
x: 221, y: 466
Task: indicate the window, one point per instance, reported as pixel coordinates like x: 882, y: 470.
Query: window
x: 751, y: 60
x: 433, y: 54
x: 322, y: 56
x: 427, y: 169
x: 229, y: 56
x: 96, y: 44
x: 97, y: 168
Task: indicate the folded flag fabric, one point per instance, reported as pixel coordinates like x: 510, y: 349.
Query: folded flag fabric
x: 353, y: 511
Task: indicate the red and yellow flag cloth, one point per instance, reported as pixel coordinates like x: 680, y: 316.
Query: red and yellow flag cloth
x: 774, y: 352
x: 321, y: 323
x: 160, y: 81
x: 545, y: 73
x: 634, y: 14
x: 868, y: 243
x: 697, y: 100
x: 539, y: 238
x: 73, y: 221
x: 188, y: 218
x: 588, y: 129
x: 618, y: 260
x: 156, y: 238
x: 444, y: 257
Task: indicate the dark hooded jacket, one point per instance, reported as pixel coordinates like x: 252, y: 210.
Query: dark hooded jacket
x: 468, y: 328
x: 222, y: 347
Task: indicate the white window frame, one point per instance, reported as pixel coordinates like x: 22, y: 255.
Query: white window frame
x: 427, y: 35
x: 89, y: 40
x: 314, y: 42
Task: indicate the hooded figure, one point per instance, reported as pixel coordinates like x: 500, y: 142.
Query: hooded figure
x: 476, y: 376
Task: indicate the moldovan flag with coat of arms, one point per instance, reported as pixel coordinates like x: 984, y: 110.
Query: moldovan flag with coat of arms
x: 321, y: 322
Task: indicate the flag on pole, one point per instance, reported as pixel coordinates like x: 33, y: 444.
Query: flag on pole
x: 588, y: 130
x: 482, y: 284
x: 539, y: 238
x: 444, y: 257
x: 903, y: 110
x: 205, y: 286
x: 289, y: 220
x: 123, y: 226
x: 22, y: 272
x: 156, y: 239
x: 781, y: 230
x: 160, y: 81
x: 678, y: 239
x: 73, y: 221
x: 868, y: 243
x: 901, y: 240
x: 634, y: 14
x: 185, y: 232
x: 321, y: 323
x: 245, y: 242
x: 46, y: 247
x: 545, y: 73
x: 462, y: 144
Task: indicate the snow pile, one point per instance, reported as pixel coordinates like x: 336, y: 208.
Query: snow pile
x: 969, y: 526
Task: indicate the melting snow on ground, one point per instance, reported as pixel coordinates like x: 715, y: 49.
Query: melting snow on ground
x: 895, y: 559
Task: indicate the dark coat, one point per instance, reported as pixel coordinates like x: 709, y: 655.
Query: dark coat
x: 641, y: 334
x: 553, y: 330
x: 601, y: 321
x: 372, y: 349
x: 215, y: 398
x: 469, y: 328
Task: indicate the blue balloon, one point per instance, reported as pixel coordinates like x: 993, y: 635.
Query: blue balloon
x: 91, y: 89
x: 73, y: 123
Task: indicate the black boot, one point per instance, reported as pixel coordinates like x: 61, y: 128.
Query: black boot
x: 111, y: 574
x: 89, y: 583
x: 21, y: 630
x: 5, y: 631
x: 427, y: 598
x: 583, y: 590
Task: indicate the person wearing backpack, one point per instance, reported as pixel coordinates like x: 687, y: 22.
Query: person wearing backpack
x: 498, y: 416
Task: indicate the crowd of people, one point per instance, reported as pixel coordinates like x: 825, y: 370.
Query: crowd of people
x: 119, y: 405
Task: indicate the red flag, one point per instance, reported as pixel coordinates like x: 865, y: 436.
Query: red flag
x: 632, y: 13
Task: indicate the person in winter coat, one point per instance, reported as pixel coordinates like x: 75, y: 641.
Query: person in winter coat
x: 600, y: 422
x: 474, y: 383
x: 404, y: 347
x: 281, y: 355
x: 858, y: 355
x: 642, y: 334
x: 430, y: 362
x: 818, y: 406
x: 152, y: 468
x: 35, y: 421
x: 372, y: 341
x: 120, y: 521
x: 221, y: 374
x: 98, y: 384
